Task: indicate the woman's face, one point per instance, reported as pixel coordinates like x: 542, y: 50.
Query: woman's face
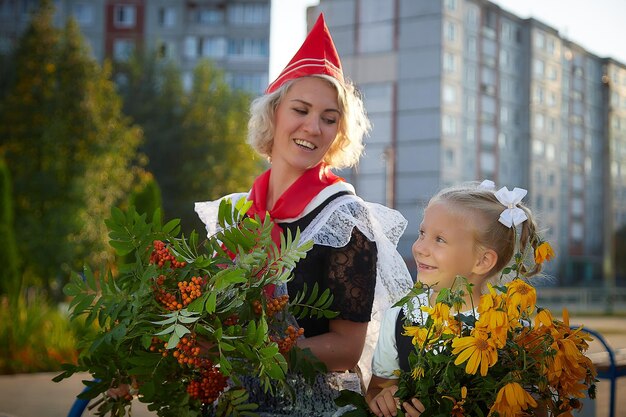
x: 306, y: 124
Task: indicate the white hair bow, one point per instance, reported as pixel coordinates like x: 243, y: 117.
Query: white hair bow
x: 512, y: 215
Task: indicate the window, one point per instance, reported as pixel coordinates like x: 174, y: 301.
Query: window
x: 552, y: 73
x: 248, y: 47
x: 550, y: 152
x: 83, y: 13
x: 540, y: 40
x: 472, y: 45
x: 448, y: 125
x: 538, y: 95
x: 167, y: 17
x: 449, y: 62
x: 504, y: 115
x: 123, y: 49
x: 191, y: 47
x: 505, y: 59
x: 248, y: 13
x: 450, y: 31
x: 124, y: 16
x: 209, y: 16
x: 471, y: 15
x: 451, y: 5
x: 470, y: 104
x: 539, y: 122
x: 166, y: 49
x: 449, y: 94
x: 538, y: 147
x: 538, y: 67
x: 577, y: 231
x: 213, y: 47
x: 487, y: 163
x: 255, y: 83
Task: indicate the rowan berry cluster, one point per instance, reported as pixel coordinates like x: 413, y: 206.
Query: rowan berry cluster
x: 189, y: 291
x: 208, y: 385
x: 161, y: 255
x: 272, y: 306
x: 167, y: 299
x: 187, y: 352
x: 291, y: 336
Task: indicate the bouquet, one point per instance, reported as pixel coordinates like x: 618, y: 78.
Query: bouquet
x: 183, y: 319
x: 504, y: 357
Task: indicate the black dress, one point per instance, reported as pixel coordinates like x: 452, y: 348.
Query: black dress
x: 350, y: 274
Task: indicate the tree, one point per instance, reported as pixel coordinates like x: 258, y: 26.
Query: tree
x: 9, y: 258
x: 215, y: 157
x: 195, y: 141
x: 69, y: 148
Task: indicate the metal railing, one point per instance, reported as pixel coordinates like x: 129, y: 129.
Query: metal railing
x: 583, y: 300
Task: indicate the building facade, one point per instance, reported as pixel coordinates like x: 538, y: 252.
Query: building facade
x: 462, y: 90
x: 232, y: 33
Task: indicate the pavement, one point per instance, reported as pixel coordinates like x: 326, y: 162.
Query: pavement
x: 36, y: 395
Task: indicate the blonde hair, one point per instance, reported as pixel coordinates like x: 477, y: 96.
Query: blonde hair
x: 490, y: 233
x: 352, y: 127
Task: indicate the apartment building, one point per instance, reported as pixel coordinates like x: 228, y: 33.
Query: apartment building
x: 461, y: 90
x: 232, y: 33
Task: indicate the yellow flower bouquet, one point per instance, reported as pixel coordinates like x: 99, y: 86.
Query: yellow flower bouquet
x: 504, y: 357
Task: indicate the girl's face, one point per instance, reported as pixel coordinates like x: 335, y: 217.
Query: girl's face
x: 306, y: 124
x: 445, y: 247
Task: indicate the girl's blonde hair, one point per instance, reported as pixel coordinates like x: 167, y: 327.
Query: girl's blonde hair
x: 482, y: 204
x: 352, y: 127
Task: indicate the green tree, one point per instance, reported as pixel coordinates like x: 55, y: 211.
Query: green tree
x: 196, y: 140
x: 153, y: 98
x: 215, y: 157
x: 70, y: 150
x: 9, y: 258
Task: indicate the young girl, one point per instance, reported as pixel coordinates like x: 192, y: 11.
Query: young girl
x: 467, y: 231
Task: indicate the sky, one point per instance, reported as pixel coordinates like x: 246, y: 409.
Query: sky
x: 599, y: 26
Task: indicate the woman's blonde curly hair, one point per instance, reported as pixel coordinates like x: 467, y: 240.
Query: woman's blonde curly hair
x: 352, y: 127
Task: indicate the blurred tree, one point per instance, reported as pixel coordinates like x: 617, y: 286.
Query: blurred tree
x: 69, y: 148
x: 216, y: 159
x: 153, y: 96
x: 146, y: 196
x: 195, y: 141
x: 9, y: 258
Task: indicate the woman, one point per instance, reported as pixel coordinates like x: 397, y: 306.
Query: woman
x: 311, y: 120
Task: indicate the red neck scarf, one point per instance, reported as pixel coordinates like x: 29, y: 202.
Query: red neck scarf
x: 293, y: 201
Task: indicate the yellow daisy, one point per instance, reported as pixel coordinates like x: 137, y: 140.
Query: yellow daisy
x: 543, y: 253
x: 477, y: 349
x: 512, y: 399
x: 521, y: 297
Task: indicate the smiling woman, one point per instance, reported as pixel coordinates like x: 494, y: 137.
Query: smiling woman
x: 312, y: 120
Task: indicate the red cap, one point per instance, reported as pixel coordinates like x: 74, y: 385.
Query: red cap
x: 317, y: 55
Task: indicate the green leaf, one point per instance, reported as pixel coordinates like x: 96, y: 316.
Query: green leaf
x: 170, y: 226
x: 211, y: 302
x: 181, y: 330
x: 91, y: 281
x: 169, y: 330
x: 122, y: 248
x: 229, y: 277
x: 173, y: 341
x: 251, y: 333
x: 169, y: 320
